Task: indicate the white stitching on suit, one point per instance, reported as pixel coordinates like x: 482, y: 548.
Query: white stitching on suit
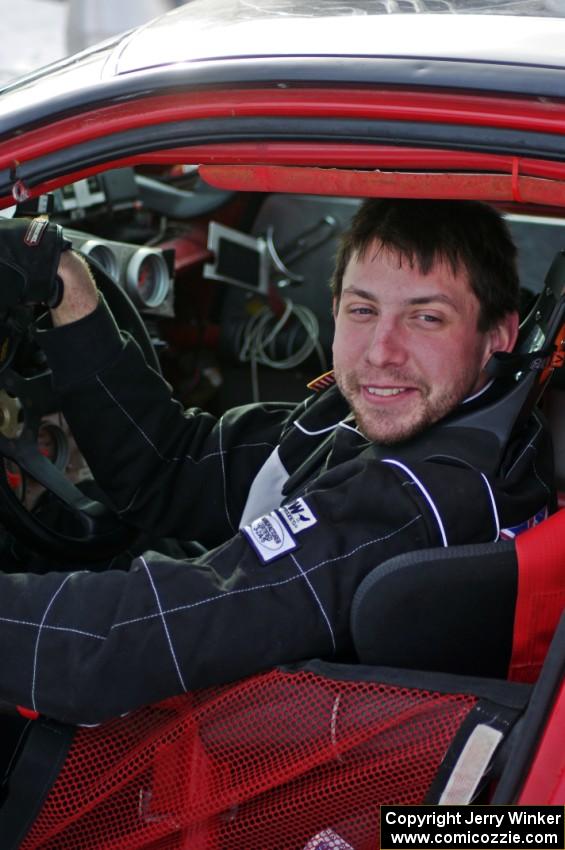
x: 225, y: 483
x: 179, y: 608
x: 315, y: 433
x: 162, y: 457
x: 493, y: 503
x: 525, y: 449
x: 47, y: 628
x: 425, y: 493
x: 166, y: 628
x: 39, y: 630
x: 318, y: 600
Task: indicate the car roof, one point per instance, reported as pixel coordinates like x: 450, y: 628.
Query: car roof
x: 214, y: 42
x: 458, y: 92
x: 222, y: 29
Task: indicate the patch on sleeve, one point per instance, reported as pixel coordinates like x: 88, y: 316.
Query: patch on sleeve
x: 297, y: 515
x: 511, y: 533
x: 269, y: 537
x: 35, y: 231
x: 322, y: 381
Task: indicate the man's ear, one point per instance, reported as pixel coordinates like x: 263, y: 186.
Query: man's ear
x: 503, y: 335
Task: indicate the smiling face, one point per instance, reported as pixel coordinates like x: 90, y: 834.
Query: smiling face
x: 407, y: 348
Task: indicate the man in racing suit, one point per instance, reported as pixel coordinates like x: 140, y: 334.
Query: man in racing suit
x: 295, y: 504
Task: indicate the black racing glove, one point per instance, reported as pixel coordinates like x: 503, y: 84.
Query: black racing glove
x: 29, y: 255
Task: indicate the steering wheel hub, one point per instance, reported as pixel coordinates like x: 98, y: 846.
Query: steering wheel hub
x: 11, y: 423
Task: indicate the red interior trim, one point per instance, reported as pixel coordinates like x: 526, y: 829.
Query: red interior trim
x: 546, y: 779
x: 320, y: 181
x: 393, y: 105
x: 344, y: 155
x: 541, y: 595
x: 337, y: 155
x: 500, y: 188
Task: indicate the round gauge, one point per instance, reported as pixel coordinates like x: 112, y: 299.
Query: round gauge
x: 147, y: 278
x: 103, y: 255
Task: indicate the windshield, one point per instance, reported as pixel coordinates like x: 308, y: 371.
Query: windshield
x: 253, y: 9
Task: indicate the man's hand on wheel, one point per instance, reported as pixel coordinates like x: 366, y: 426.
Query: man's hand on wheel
x: 30, y: 250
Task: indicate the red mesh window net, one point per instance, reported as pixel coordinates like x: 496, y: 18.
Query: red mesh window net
x: 281, y: 761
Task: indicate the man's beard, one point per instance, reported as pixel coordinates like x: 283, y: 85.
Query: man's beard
x: 390, y: 425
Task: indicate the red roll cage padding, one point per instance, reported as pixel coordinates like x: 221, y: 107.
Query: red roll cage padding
x: 541, y: 595
x: 395, y: 184
x: 514, y: 187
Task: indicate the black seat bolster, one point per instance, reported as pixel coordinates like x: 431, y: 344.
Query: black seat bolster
x: 32, y: 777
x: 446, y: 610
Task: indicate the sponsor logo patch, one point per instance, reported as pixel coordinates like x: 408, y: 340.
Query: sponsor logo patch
x: 269, y: 537
x: 297, y: 515
x: 35, y: 231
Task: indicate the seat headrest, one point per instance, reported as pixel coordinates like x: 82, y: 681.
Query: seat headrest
x: 525, y: 372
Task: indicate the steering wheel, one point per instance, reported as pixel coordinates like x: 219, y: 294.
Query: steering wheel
x: 91, y: 531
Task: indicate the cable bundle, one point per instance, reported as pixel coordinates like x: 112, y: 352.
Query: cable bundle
x: 274, y: 342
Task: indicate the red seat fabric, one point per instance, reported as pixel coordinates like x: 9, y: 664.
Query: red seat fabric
x: 265, y: 764
x: 541, y: 595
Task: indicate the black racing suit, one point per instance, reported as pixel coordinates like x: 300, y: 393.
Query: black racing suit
x: 85, y: 646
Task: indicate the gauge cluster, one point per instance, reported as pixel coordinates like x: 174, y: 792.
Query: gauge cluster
x: 145, y: 273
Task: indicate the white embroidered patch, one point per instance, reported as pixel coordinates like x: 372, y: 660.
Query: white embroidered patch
x: 269, y: 537
x: 297, y: 515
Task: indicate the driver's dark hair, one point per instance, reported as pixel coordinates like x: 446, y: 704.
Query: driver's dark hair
x: 465, y: 234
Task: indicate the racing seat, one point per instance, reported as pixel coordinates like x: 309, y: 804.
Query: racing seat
x: 477, y: 610
x: 523, y: 375
x: 304, y: 754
